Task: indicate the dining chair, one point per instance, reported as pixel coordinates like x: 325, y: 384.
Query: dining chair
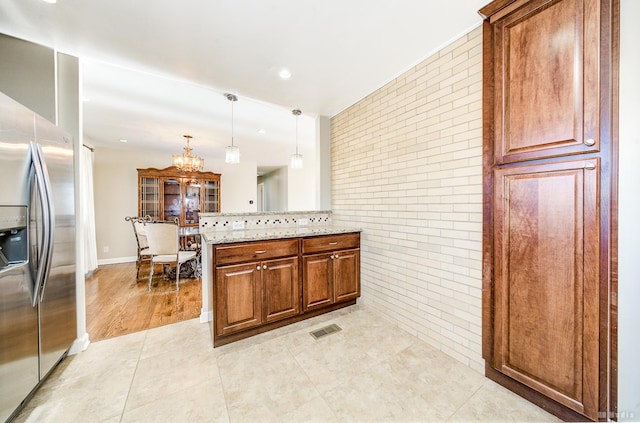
x: 165, y: 248
x: 138, y: 224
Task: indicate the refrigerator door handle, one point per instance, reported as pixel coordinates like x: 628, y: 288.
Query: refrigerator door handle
x: 49, y: 221
x: 44, y: 245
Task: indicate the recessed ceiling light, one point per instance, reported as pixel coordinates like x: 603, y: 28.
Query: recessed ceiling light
x: 262, y: 131
x: 50, y: 1
x: 284, y: 73
x: 123, y: 140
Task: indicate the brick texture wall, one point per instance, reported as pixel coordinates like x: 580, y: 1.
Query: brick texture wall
x: 407, y: 169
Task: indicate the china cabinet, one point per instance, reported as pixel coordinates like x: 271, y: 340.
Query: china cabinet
x: 167, y: 194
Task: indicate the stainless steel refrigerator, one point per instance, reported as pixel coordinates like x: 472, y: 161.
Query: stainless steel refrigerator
x: 37, y: 252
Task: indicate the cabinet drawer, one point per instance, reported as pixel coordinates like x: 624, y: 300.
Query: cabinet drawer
x: 256, y: 251
x: 330, y: 242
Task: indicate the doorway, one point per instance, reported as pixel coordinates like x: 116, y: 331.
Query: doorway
x: 260, y: 197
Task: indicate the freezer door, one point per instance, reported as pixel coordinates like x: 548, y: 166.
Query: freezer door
x: 18, y: 339
x: 58, y: 292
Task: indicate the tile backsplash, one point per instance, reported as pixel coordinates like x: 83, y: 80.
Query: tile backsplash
x: 265, y: 220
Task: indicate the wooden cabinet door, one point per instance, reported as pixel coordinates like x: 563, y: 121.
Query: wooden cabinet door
x: 546, y: 73
x: 546, y: 270
x: 238, y: 298
x: 281, y: 287
x: 317, y: 280
x: 346, y: 275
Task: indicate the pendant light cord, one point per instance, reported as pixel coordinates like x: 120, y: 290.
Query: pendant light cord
x: 232, y: 98
x: 296, y: 113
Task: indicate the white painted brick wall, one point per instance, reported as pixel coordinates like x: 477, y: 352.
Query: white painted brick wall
x: 407, y: 169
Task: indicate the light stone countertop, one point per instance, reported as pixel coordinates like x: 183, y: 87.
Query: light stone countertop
x: 267, y: 213
x: 225, y: 237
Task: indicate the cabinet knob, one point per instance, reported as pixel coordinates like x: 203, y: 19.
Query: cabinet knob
x: 590, y: 166
x: 332, y: 257
x: 257, y: 267
x: 264, y: 266
x: 590, y: 142
x: 336, y: 256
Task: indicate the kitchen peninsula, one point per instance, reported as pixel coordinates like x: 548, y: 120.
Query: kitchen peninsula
x: 261, y: 271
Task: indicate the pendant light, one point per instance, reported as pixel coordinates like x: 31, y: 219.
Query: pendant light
x: 232, y: 153
x: 296, y: 159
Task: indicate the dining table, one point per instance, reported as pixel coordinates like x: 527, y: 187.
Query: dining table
x: 189, y: 239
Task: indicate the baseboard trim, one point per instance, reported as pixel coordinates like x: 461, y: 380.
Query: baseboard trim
x: 206, y: 316
x: 116, y: 260
x: 80, y: 344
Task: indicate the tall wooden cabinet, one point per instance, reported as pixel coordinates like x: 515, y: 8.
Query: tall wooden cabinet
x: 166, y: 194
x: 549, y: 195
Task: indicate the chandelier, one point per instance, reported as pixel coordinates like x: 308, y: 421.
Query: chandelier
x: 296, y: 159
x: 186, y: 162
x: 232, y: 153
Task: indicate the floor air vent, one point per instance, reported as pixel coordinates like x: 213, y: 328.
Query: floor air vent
x: 327, y: 330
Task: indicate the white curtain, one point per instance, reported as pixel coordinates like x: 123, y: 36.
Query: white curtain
x: 87, y: 211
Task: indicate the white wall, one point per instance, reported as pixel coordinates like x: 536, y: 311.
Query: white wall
x: 302, y: 184
x: 629, y: 214
x: 275, y: 190
x: 323, y: 153
x: 238, y: 186
x: 289, y: 189
x: 69, y: 117
x: 116, y: 191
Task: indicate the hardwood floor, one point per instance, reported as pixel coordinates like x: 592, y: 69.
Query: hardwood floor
x: 117, y: 304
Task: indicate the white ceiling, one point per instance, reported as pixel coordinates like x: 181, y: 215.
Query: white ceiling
x: 154, y: 70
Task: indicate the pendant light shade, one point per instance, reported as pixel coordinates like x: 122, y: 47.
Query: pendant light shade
x: 232, y: 152
x: 296, y: 159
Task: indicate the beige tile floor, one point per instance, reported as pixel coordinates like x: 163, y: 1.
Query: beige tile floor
x: 369, y: 371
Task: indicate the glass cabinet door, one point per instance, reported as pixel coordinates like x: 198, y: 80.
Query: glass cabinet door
x: 171, y: 200
x: 211, y: 197
x: 149, y: 197
x: 191, y: 202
